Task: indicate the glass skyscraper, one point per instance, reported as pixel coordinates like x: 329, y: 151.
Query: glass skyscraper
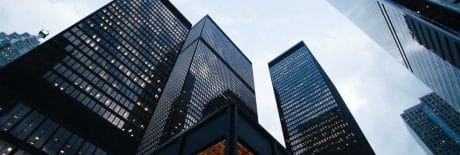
x: 435, y: 125
x: 14, y: 45
x: 92, y: 88
x: 424, y: 35
x: 314, y: 118
x: 210, y: 65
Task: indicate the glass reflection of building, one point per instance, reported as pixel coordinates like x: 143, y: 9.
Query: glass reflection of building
x: 424, y: 35
x: 435, y: 125
x: 14, y: 45
x: 209, y: 65
x: 314, y: 118
x: 93, y: 87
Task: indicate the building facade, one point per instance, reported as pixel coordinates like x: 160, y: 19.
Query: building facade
x: 435, y: 125
x: 453, y: 5
x: 209, y: 65
x: 92, y: 88
x: 314, y: 118
x: 14, y: 45
x: 423, y: 35
x: 228, y: 131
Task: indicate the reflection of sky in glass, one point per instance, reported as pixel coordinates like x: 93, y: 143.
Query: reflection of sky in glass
x: 370, y: 20
x: 421, y: 44
x: 438, y: 74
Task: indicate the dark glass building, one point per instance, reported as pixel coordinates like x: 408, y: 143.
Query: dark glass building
x: 453, y: 5
x: 435, y: 125
x: 92, y: 89
x: 424, y: 35
x: 14, y: 45
x: 210, y: 65
x: 228, y: 131
x: 314, y: 118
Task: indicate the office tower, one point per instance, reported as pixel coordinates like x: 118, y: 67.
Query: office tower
x: 209, y: 65
x: 424, y: 35
x: 227, y: 130
x: 314, y: 118
x: 95, y: 84
x: 14, y: 45
x: 435, y: 125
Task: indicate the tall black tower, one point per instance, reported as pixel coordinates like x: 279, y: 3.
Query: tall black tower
x: 93, y: 87
x: 314, y: 118
x: 209, y: 68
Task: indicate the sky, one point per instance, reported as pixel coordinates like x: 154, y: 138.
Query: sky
x: 375, y: 87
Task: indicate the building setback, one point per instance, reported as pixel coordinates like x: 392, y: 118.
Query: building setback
x: 14, y: 45
x: 228, y: 131
x: 314, y: 118
x: 435, y: 125
x: 209, y: 66
x: 424, y: 35
x: 92, y: 88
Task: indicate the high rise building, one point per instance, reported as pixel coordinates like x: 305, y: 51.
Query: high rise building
x: 435, y: 125
x: 210, y: 65
x: 314, y: 118
x: 14, y: 45
x: 424, y: 35
x: 93, y: 87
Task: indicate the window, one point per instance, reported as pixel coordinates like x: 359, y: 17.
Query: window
x: 41, y: 135
x: 72, y: 145
x: 26, y: 126
x: 9, y: 119
x: 56, y: 142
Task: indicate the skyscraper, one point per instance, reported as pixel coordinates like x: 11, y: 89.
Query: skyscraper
x: 14, y: 45
x: 210, y: 65
x: 93, y: 87
x: 424, y: 35
x: 435, y: 125
x: 314, y: 118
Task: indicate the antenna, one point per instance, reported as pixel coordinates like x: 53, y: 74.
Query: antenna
x: 43, y: 33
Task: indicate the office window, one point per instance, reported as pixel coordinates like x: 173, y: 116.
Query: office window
x: 40, y: 132
x: 41, y: 135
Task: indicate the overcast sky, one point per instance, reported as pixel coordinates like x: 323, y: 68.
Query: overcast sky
x: 375, y: 87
